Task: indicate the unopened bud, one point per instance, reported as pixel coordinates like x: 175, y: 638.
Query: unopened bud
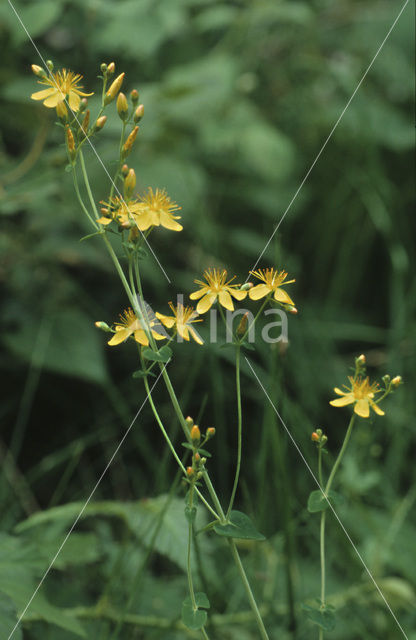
x: 315, y: 437
x: 397, y: 380
x: 210, y: 432
x: 49, y: 64
x: 292, y: 310
x: 61, y: 111
x: 242, y: 327
x: 138, y: 114
x: 386, y: 379
x: 128, y: 145
x: 361, y: 359
x: 203, y: 461
x: 122, y: 106
x: 111, y: 68
x: 38, y: 71
x: 189, y: 472
x: 324, y: 439
x: 70, y: 143
x: 100, y: 123
x: 114, y: 89
x: 103, y: 67
x: 134, y: 95
x: 83, y: 130
x: 124, y: 170
x: 83, y: 105
x: 129, y: 183
x: 103, y: 326
x: 197, y: 457
x: 195, y: 434
x: 246, y: 286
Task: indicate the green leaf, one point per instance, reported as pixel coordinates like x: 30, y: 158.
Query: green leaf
x: 142, y: 374
x: 323, y: 617
x: 240, y: 526
x: 8, y: 618
x: 317, y: 502
x: 91, y: 235
x: 195, y: 619
x: 190, y: 514
x: 163, y: 355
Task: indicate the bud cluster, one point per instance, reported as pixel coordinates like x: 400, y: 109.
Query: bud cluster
x: 319, y: 437
x: 199, y: 459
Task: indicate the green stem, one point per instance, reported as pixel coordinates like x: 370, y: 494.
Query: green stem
x: 120, y: 162
x: 239, y: 428
x: 253, y: 604
x: 340, y: 455
x: 255, y: 318
x: 80, y: 200
x: 87, y: 184
x: 188, y: 560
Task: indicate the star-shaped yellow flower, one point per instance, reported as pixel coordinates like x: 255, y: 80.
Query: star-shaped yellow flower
x: 273, y: 281
x: 216, y: 286
x: 182, y: 318
x: 130, y: 325
x: 62, y: 85
x: 156, y: 209
x: 361, y: 394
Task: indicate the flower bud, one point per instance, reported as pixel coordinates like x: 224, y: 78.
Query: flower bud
x: 324, y: 440
x: 49, y: 64
x: 138, y: 114
x: 111, y: 68
x: 292, y: 310
x: 386, y: 379
x: 83, y: 105
x: 242, y: 327
x: 114, y: 89
x: 70, y: 143
x: 203, y: 461
x: 103, y: 68
x: 100, y: 123
x: 397, y: 380
x: 61, y: 111
x: 122, y: 106
x: 246, y: 286
x: 197, y: 457
x: 210, y: 432
x: 129, y: 183
x: 38, y: 71
x: 124, y: 170
x: 134, y: 95
x: 128, y: 145
x: 189, y: 472
x: 315, y: 437
x: 195, y: 434
x: 83, y: 130
x: 103, y: 326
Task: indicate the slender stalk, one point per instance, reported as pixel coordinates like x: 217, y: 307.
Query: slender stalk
x: 239, y: 429
x: 120, y: 162
x: 253, y: 604
x: 340, y: 455
x: 87, y: 184
x: 188, y: 559
x: 255, y: 318
x: 80, y: 200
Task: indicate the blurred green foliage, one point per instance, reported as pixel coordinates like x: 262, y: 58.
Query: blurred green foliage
x: 239, y: 98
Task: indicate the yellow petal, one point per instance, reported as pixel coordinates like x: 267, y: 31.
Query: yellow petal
x: 119, y: 336
x: 225, y: 299
x: 362, y: 408
x: 141, y: 337
x: 341, y: 402
x: 74, y: 101
x: 183, y: 332
x: 339, y: 392
x: 157, y: 336
x: 376, y: 408
x: 104, y: 220
x: 41, y: 95
x: 206, y: 302
x: 143, y: 221
x: 198, y: 294
x: 195, y: 336
x: 238, y: 295
x: 168, y: 321
x: 281, y: 296
x: 168, y: 222
x: 54, y: 99
x: 259, y: 291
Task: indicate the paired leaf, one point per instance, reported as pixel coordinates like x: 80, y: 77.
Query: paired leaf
x: 163, y: 355
x: 239, y: 526
x: 195, y: 618
x: 318, y: 502
x: 324, y: 617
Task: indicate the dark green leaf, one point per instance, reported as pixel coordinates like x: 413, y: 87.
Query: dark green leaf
x: 163, y: 355
x: 323, y: 617
x: 240, y: 526
x: 195, y: 619
x: 317, y: 501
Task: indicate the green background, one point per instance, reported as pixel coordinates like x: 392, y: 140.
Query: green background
x: 239, y: 98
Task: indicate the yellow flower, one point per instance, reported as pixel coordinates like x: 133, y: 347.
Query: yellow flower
x: 361, y: 394
x: 155, y: 209
x: 182, y: 318
x: 273, y: 280
x: 130, y: 325
x: 63, y: 85
x: 216, y: 286
x: 119, y: 210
